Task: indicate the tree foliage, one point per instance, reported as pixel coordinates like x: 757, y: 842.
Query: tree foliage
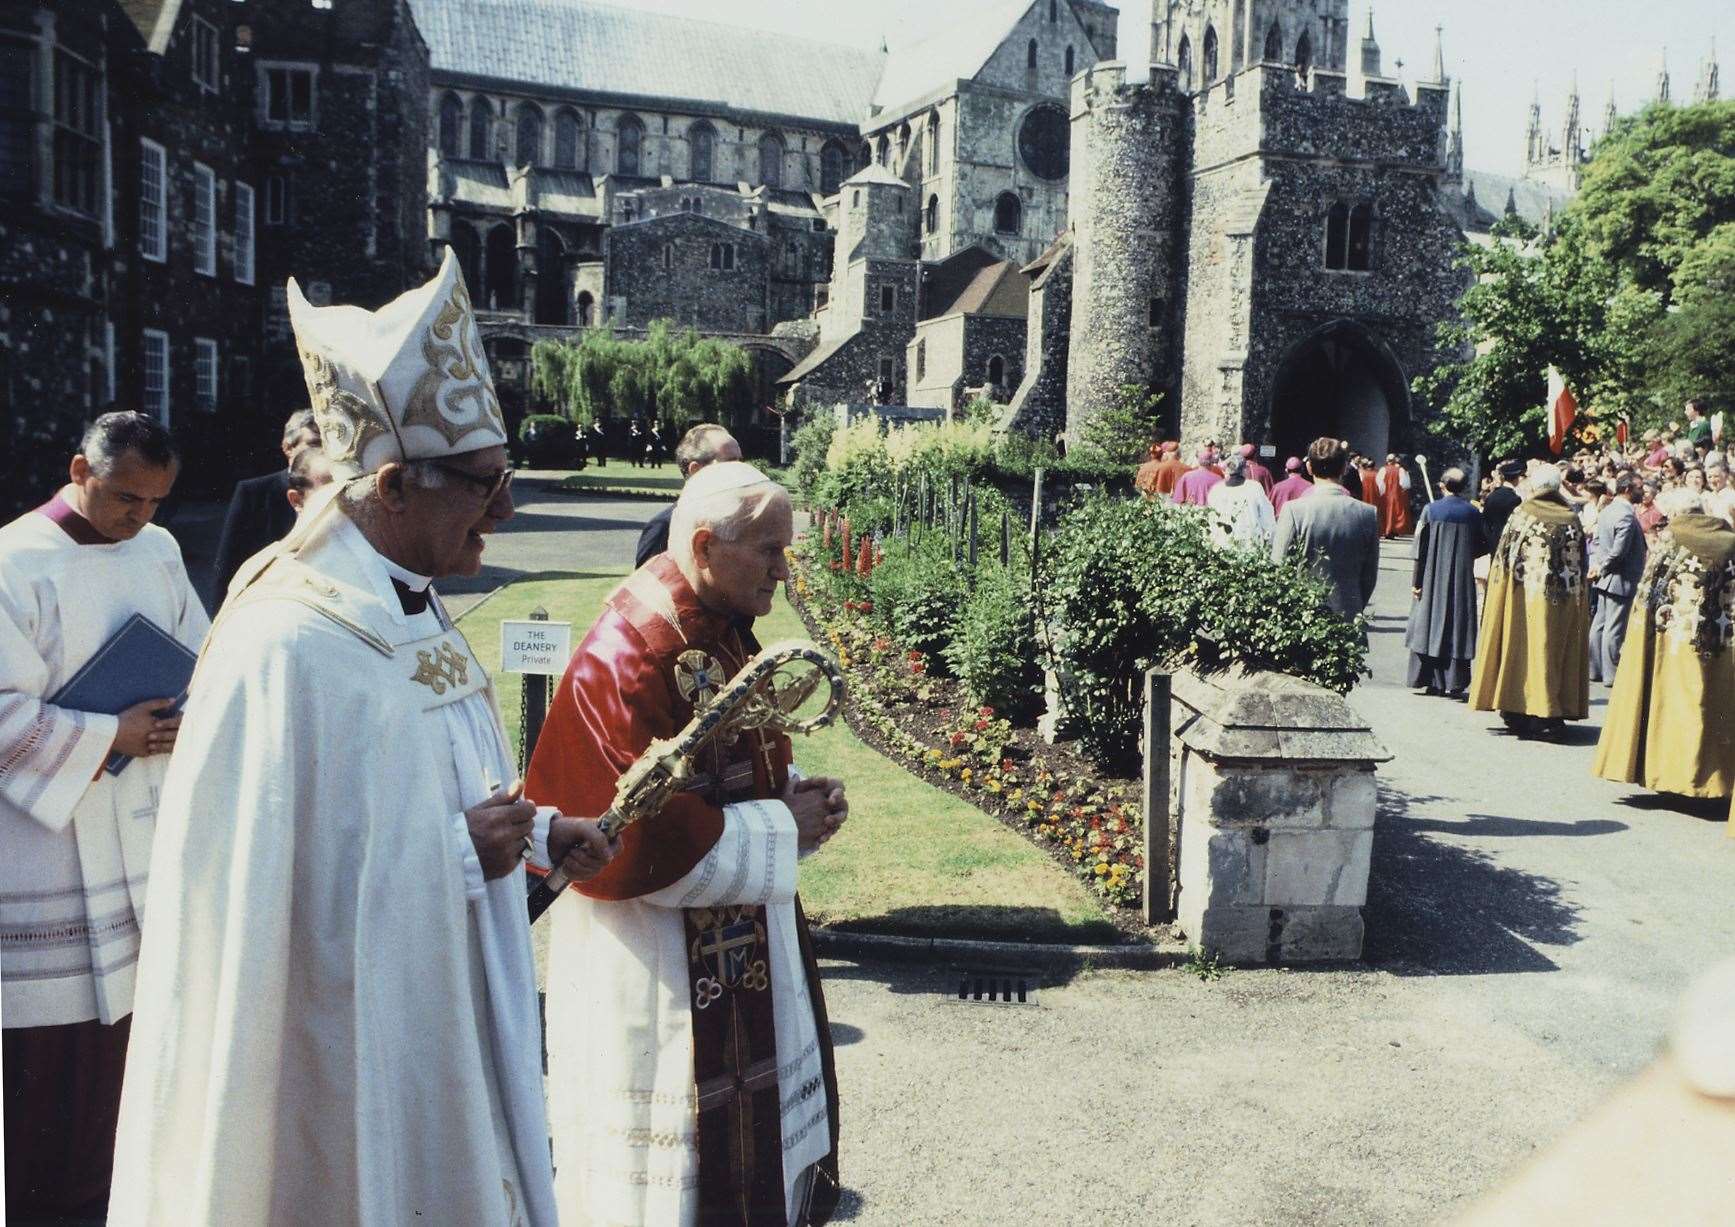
x: 672, y: 375
x: 1628, y: 296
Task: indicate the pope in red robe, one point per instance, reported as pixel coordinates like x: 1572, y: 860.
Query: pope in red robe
x: 684, y: 1002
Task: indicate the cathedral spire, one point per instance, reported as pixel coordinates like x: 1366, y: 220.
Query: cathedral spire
x: 1663, y: 78
x: 1370, y: 49
x: 1708, y: 88
x: 1610, y: 112
x: 1572, y: 133
x: 1440, y: 55
x: 1535, y: 146
x: 1455, y: 141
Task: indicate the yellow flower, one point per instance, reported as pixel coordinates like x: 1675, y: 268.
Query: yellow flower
x: 968, y: 774
x: 1101, y: 869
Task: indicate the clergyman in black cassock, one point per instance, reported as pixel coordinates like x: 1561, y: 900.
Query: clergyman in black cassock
x: 1441, y: 637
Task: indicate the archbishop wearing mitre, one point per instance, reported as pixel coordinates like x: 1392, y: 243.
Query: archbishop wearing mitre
x: 689, y: 1058
x: 336, y: 1019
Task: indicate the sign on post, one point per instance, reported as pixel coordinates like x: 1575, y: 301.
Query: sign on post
x: 535, y: 647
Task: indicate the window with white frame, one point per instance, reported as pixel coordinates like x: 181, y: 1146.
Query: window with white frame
x: 205, y: 372
x: 244, y: 247
x: 205, y: 61
x: 204, y: 220
x: 153, y: 201
x: 286, y: 96
x: 155, y: 352
x: 77, y: 133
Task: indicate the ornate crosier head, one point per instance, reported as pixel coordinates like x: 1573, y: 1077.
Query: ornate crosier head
x: 407, y: 382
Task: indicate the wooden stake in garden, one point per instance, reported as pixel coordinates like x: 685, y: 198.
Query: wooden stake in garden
x: 1156, y: 900
x: 1035, y: 523
x: 1005, y: 537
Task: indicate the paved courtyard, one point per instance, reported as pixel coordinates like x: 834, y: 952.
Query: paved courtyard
x: 1529, y: 930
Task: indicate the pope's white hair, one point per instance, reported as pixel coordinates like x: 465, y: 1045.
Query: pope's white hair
x: 1545, y: 479
x: 726, y: 498
x: 1681, y: 501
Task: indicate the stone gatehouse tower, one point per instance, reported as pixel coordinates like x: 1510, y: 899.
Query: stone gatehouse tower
x: 1266, y: 232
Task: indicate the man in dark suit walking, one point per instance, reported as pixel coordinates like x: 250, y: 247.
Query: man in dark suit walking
x: 260, y: 511
x: 1617, y: 560
x: 1339, y: 536
x: 704, y: 444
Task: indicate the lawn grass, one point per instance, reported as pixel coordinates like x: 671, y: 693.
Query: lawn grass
x: 657, y: 479
x: 911, y: 860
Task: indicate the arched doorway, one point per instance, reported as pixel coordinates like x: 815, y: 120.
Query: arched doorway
x: 1343, y: 382
x: 501, y: 270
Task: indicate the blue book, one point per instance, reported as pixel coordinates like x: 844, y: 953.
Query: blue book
x: 140, y: 661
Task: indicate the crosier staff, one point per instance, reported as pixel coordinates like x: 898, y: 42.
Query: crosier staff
x: 765, y: 694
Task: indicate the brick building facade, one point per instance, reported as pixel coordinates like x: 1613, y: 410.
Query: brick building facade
x: 147, y: 150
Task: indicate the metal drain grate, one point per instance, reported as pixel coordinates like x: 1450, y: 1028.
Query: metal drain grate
x: 995, y: 988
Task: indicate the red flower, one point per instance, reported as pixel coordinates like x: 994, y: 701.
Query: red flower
x: 985, y: 711
x: 981, y: 726
x: 1006, y: 764
x: 918, y: 668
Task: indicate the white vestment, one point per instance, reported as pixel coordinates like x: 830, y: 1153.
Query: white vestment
x: 77, y: 848
x: 337, y: 1017
x: 1241, y: 515
x: 620, y: 1033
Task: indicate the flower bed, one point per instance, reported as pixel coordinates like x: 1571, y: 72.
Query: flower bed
x: 899, y: 703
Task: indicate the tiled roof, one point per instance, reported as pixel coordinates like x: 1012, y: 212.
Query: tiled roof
x: 1534, y: 201
x: 577, y: 44
x: 975, y: 282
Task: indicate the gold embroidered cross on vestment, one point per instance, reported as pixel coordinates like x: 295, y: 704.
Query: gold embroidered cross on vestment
x: 443, y: 667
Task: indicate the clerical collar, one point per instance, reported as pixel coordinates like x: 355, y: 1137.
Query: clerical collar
x: 72, y: 523
x: 411, y: 588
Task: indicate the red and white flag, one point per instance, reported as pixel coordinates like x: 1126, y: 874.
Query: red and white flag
x: 1562, y: 410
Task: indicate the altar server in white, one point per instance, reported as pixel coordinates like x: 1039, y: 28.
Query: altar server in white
x: 77, y: 840
x: 337, y: 1018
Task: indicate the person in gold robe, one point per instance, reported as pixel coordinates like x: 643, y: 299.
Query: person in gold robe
x: 1533, y: 657
x: 1671, y: 716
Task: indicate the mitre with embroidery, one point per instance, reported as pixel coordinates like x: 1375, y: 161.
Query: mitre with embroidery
x: 406, y: 382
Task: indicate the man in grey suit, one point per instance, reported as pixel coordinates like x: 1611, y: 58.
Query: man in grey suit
x: 1339, y: 536
x: 1617, y: 560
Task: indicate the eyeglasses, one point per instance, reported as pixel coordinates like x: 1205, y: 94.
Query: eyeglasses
x: 490, y: 485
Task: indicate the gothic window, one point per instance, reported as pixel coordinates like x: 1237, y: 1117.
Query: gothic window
x: 501, y: 273
x: 1069, y: 63
x: 1184, y: 62
x: 921, y: 360
x: 668, y: 257
x: 467, y: 247
x: 1044, y: 141
x: 888, y: 299
x: 1361, y: 238
x: 771, y: 160
x: 552, y: 294
x: 1237, y: 37
x: 586, y: 309
x: 933, y: 142
x: 452, y: 126
x: 568, y: 135
x: 1155, y: 318
x: 888, y: 374
x: 1303, y: 55
x: 529, y: 136
x: 702, y: 150
x: 885, y: 151
x: 1030, y: 55
x: 481, y: 128
x: 830, y: 168
x: 630, y: 134
x: 723, y: 257
x: 996, y: 370
x: 1337, y: 237
x: 1053, y: 11
x: 1208, y: 63
x: 1008, y: 214
x: 1273, y: 44
x: 931, y: 215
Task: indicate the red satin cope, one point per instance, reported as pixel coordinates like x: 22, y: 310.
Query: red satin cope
x: 618, y: 695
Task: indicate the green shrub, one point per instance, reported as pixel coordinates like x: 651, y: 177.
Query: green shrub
x: 872, y: 514
x: 548, y: 441
x: 995, y: 652
x: 810, y: 442
x: 917, y: 594
x: 535, y: 423
x: 1134, y: 584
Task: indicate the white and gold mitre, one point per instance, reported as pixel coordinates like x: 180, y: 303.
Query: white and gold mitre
x: 406, y: 382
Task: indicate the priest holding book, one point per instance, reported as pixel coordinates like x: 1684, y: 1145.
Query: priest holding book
x: 77, y: 836
x: 337, y: 1017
